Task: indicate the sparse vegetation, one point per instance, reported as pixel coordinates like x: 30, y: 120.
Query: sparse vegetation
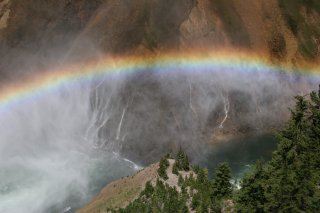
x: 175, y: 169
x: 196, y: 191
x: 163, y: 166
x: 182, y: 161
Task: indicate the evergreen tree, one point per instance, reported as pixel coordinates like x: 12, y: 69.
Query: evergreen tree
x: 185, y: 163
x: 180, y: 180
x: 182, y: 161
x: 184, y: 209
x: 196, y: 168
x: 202, y: 176
x: 251, y: 197
x: 314, y: 130
x: 222, y: 187
x: 148, y: 190
x: 162, y: 171
x: 175, y: 169
x: 294, y: 182
x: 165, y: 162
x: 168, y: 155
x: 290, y: 182
x: 195, y: 201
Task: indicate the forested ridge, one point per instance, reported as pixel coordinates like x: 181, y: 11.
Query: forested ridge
x: 289, y: 182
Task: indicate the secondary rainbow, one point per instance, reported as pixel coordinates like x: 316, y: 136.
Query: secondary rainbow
x: 16, y: 92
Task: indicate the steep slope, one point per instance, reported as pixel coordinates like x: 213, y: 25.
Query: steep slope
x: 120, y: 193
x: 37, y: 34
x: 261, y: 26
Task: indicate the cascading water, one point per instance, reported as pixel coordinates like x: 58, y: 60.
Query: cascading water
x: 226, y: 108
x: 49, y: 160
x: 190, y: 99
x: 59, y: 148
x: 120, y: 123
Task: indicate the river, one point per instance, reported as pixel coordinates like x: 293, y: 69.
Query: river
x: 240, y: 153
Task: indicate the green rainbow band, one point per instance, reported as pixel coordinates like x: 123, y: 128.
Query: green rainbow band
x: 16, y: 92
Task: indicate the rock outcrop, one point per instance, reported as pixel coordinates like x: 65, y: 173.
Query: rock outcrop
x: 38, y: 34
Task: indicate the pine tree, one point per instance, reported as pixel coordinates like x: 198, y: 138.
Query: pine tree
x: 180, y: 181
x: 195, y: 201
x: 196, y: 168
x: 168, y: 155
x: 175, y: 169
x: 202, y: 177
x: 148, y: 190
x: 182, y: 161
x: 185, y: 163
x: 165, y: 162
x: 294, y: 182
x: 162, y: 171
x: 222, y: 187
x: 251, y: 197
x: 314, y: 133
x: 184, y: 209
x: 290, y: 182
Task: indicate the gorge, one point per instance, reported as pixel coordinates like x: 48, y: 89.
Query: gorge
x: 92, y: 92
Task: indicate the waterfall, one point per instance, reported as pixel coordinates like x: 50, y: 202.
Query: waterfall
x: 190, y: 99
x: 51, y: 146
x: 120, y: 123
x: 226, y: 108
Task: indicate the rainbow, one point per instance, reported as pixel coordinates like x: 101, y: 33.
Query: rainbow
x: 16, y: 92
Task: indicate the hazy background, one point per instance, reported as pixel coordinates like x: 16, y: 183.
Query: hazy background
x: 60, y: 147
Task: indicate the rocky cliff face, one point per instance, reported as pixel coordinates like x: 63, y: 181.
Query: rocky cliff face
x: 39, y: 34
x: 35, y: 34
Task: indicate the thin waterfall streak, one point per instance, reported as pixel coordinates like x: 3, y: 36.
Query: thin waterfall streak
x: 96, y: 93
x: 102, y: 124
x: 190, y: 99
x: 93, y: 120
x: 120, y: 123
x: 96, y: 99
x: 106, y: 105
x: 97, y: 87
x: 226, y: 110
x: 101, y: 115
x: 97, y: 117
x: 122, y: 116
x: 105, y: 120
x: 135, y: 166
x: 91, y: 124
